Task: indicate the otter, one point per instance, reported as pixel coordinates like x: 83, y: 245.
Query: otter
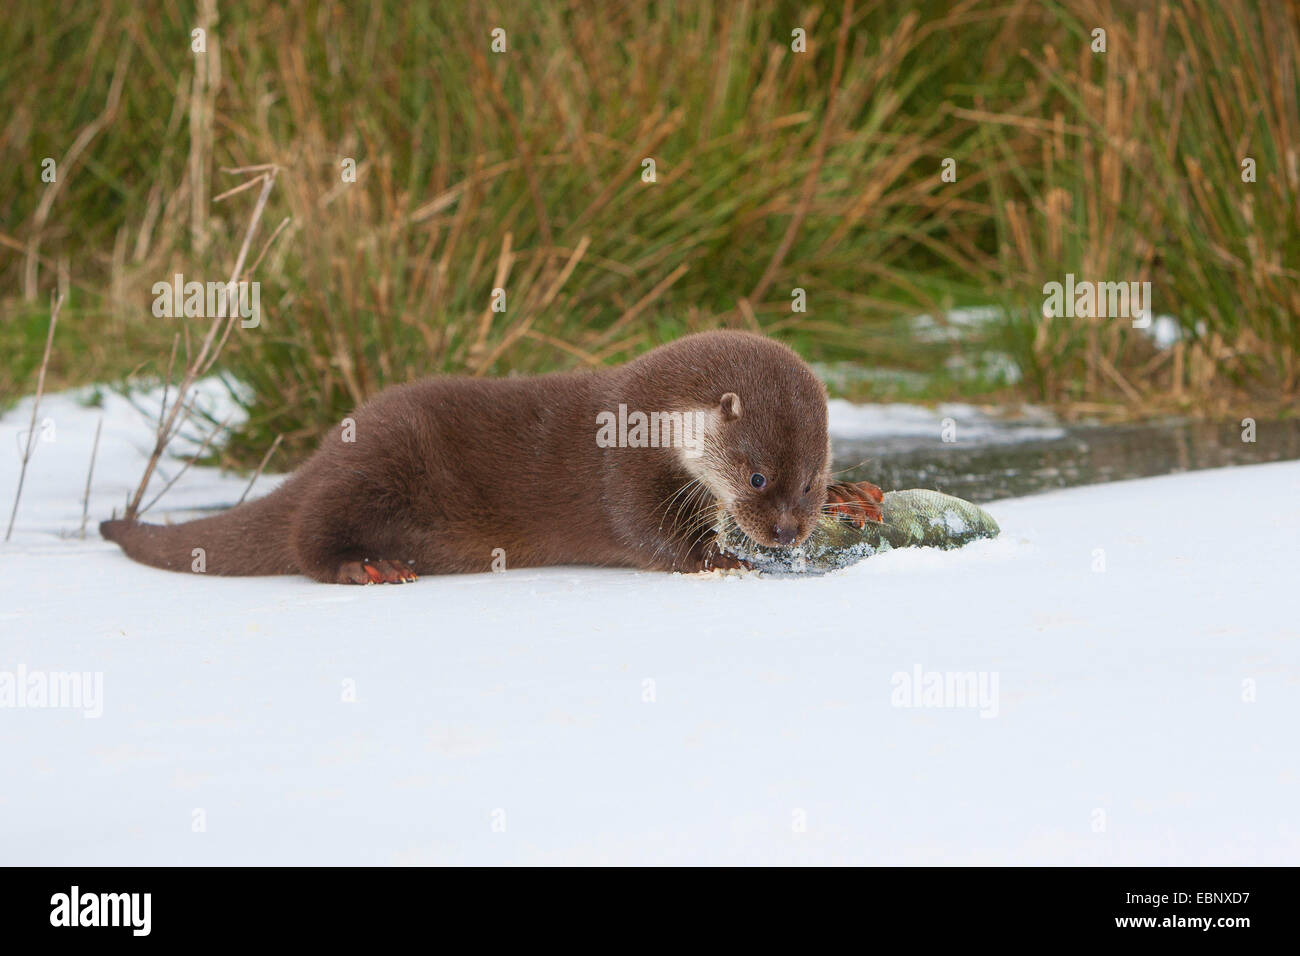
x: 451, y: 475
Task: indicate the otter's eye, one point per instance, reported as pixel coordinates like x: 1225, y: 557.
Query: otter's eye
x: 807, y: 488
x: 757, y: 480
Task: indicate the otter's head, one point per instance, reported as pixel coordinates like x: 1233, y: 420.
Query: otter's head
x: 766, y: 457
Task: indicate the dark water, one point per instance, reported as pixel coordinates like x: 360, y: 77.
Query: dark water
x: 1085, y: 455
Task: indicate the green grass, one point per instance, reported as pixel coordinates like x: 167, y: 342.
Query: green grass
x: 461, y: 150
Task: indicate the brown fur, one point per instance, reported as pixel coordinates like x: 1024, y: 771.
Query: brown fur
x: 444, y: 471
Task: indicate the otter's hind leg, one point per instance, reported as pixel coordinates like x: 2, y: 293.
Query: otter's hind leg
x: 341, y: 535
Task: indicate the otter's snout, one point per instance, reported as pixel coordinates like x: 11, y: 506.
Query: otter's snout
x: 786, y: 530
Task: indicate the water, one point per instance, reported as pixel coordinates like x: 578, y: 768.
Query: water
x: 1084, y: 455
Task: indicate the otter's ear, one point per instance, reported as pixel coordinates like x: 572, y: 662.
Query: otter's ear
x: 730, y: 407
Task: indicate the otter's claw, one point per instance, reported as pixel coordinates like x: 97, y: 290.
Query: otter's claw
x: 855, y: 501
x: 717, y: 561
x: 375, y: 572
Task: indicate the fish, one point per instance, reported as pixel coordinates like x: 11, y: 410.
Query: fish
x: 914, y: 518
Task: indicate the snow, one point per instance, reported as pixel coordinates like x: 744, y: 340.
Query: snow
x: 954, y: 522
x: 1164, y: 330
x: 1139, y: 642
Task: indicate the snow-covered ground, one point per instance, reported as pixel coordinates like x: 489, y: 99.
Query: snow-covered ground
x: 1137, y: 646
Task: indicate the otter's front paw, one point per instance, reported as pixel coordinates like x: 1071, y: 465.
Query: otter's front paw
x: 855, y: 501
x: 375, y: 572
x: 714, y: 560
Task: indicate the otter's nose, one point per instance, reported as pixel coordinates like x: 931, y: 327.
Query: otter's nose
x: 785, y: 531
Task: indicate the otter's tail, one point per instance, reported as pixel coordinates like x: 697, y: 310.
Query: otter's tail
x: 249, y: 539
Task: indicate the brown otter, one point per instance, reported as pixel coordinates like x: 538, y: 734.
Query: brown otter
x: 436, y: 476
